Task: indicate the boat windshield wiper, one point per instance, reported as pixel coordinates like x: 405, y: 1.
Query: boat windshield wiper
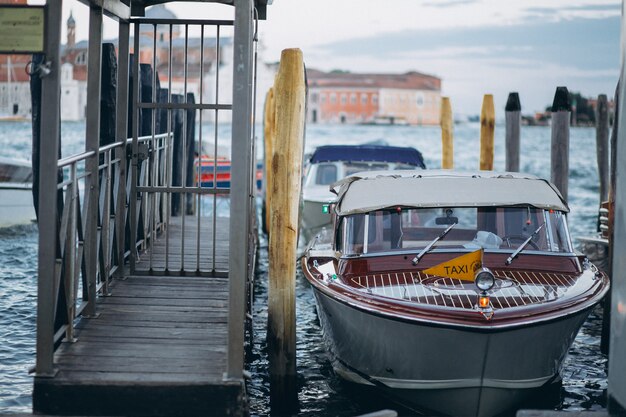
x: 522, y: 246
x: 431, y: 244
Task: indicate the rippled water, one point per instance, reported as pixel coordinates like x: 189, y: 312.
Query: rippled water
x: 320, y: 393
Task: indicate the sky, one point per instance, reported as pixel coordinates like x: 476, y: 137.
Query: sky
x: 476, y: 47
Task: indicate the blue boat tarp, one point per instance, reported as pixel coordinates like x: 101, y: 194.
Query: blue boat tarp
x: 368, y: 153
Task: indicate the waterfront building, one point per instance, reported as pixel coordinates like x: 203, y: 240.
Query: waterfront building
x: 344, y: 97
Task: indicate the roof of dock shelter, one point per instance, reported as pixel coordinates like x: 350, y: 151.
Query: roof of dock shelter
x: 375, y: 190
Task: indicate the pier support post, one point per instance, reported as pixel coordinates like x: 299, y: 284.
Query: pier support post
x: 286, y: 167
x: 487, y: 131
x: 513, y: 114
x: 92, y: 134
x: 48, y: 170
x: 559, y: 168
x: 617, y: 351
x: 447, y: 134
x: 268, y: 136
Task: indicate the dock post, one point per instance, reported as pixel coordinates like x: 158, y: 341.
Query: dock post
x: 48, y: 211
x: 602, y: 145
x: 617, y: 351
x: 447, y: 134
x: 286, y: 167
x: 559, y: 168
x: 487, y: 131
x: 513, y: 114
x: 92, y: 132
x: 269, y: 120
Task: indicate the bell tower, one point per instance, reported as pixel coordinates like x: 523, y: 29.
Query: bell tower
x: 71, y: 31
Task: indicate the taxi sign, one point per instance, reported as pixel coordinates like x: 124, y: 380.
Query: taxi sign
x: 462, y: 267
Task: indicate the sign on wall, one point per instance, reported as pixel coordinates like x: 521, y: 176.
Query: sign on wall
x: 21, y: 29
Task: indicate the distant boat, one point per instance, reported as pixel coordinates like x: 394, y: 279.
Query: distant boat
x: 16, y: 195
x: 331, y: 163
x: 453, y: 293
x: 387, y: 121
x: 215, y: 172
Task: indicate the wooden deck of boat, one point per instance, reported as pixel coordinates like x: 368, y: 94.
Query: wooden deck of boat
x: 157, y: 347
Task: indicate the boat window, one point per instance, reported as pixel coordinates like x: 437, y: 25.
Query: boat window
x: 326, y: 174
x: 490, y: 228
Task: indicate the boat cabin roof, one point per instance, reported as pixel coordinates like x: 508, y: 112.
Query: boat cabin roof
x: 368, y: 153
x: 375, y: 190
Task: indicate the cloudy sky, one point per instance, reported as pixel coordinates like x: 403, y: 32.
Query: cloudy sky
x: 475, y: 46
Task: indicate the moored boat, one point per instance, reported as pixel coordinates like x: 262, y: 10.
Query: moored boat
x: 454, y: 293
x: 331, y: 163
x: 16, y: 198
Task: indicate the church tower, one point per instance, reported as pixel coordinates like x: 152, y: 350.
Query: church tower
x: 71, y: 31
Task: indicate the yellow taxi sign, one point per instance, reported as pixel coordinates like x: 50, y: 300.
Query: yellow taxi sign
x: 462, y: 267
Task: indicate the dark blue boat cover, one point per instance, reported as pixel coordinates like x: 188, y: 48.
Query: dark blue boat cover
x: 368, y: 153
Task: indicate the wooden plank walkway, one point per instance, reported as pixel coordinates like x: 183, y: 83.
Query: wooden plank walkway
x: 166, y: 254
x: 157, y: 348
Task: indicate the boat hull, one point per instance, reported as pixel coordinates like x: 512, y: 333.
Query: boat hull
x: 16, y: 204
x: 446, y: 369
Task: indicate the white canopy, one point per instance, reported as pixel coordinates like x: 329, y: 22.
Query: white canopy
x: 374, y: 190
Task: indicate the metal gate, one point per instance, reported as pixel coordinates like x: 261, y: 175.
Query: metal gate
x: 180, y: 186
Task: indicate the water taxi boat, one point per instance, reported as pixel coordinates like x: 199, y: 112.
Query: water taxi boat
x: 331, y: 163
x: 16, y: 192
x: 454, y: 293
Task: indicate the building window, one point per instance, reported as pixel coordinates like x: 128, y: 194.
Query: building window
x: 314, y: 98
x: 344, y: 99
x: 420, y: 100
x: 333, y: 98
x: 375, y: 98
x: 322, y: 98
x: 353, y: 98
x: 81, y: 58
x: 363, y: 99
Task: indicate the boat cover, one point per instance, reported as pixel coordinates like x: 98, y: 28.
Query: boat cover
x: 368, y: 153
x: 374, y: 190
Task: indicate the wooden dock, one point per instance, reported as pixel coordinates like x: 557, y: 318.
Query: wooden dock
x: 157, y: 347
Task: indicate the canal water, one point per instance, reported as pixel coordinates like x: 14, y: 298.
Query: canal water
x: 320, y: 392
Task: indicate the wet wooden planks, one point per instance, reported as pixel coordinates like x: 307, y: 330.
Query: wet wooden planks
x: 207, y: 255
x: 157, y: 347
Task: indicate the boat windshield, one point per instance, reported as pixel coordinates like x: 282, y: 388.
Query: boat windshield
x: 490, y: 228
x: 329, y: 172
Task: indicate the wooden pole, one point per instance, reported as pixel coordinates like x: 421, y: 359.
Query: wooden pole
x: 487, y: 131
x: 447, y: 134
x: 286, y: 169
x: 602, y: 145
x: 560, y: 140
x: 269, y: 120
x: 513, y: 114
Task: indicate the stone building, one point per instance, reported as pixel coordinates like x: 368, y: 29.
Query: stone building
x: 343, y: 97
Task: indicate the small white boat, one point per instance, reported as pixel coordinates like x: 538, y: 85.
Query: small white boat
x: 331, y: 163
x: 453, y: 293
x: 16, y: 195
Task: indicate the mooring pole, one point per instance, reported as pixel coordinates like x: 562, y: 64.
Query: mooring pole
x: 513, y: 115
x: 268, y: 136
x: 487, y: 131
x: 286, y: 167
x: 602, y: 145
x: 447, y: 134
x: 561, y: 111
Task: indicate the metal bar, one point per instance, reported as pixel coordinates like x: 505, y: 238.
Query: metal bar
x: 143, y: 20
x: 173, y: 189
x: 75, y: 158
x: 199, y: 164
x: 185, y: 106
x: 217, y: 98
x: 134, y: 162
x: 112, y: 8
x: 121, y: 208
x: 105, y: 229
x: 92, y: 135
x: 154, y: 154
x: 184, y: 147
x: 170, y: 153
x: 71, y: 284
x: 240, y: 185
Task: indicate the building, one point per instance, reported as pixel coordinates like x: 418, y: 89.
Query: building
x: 344, y: 97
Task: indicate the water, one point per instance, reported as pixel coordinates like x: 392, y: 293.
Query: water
x: 320, y: 393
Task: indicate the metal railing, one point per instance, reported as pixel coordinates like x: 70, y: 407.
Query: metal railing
x: 71, y: 280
